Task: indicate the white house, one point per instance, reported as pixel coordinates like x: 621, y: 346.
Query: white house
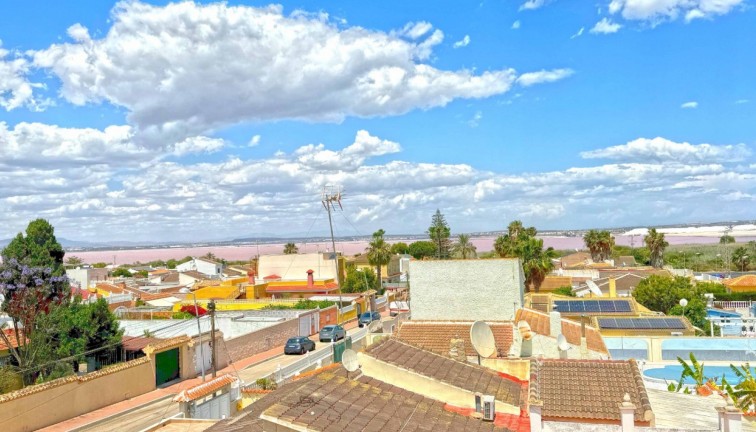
x: 86, y: 276
x: 469, y: 290
x: 202, y: 265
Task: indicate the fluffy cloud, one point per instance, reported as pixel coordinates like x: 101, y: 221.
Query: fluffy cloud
x: 532, y: 4
x: 516, y: 25
x: 660, y: 10
x: 605, y: 26
x: 689, y: 105
x: 185, y: 69
x: 90, y: 193
x: 660, y: 150
x: 465, y: 41
x: 543, y: 76
x: 198, y: 144
x: 15, y: 90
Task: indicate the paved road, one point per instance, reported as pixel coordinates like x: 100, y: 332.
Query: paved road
x: 153, y: 412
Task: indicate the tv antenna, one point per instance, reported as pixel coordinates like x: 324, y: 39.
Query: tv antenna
x: 349, y: 361
x: 482, y: 339
x: 332, y: 196
x: 594, y: 288
x: 563, y: 346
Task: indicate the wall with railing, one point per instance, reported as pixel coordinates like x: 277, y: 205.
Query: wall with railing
x: 668, y: 349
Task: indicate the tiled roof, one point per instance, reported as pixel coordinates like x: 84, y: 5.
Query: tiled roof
x: 550, y: 283
x: 232, y: 272
x: 436, y: 336
x: 588, y: 389
x: 273, y: 276
x: 742, y: 281
x: 169, y: 343
x: 331, y: 402
x: 463, y: 375
x: 577, y: 258
x: 11, y: 335
x: 195, y: 274
x: 302, y: 288
x: 170, y: 277
x: 137, y: 343
x: 540, y: 323
x: 204, y: 389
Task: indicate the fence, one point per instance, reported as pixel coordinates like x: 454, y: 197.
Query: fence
x: 733, y: 304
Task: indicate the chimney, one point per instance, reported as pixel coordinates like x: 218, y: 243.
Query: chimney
x: 251, y: 277
x: 555, y: 324
x: 612, y: 288
x: 457, y: 349
x: 310, y: 279
x: 627, y: 414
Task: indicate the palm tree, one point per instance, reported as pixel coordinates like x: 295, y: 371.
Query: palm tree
x: 536, y: 261
x: 741, y: 258
x: 464, y: 248
x: 506, y: 245
x: 656, y: 244
x: 599, y: 243
x: 378, y: 253
x: 290, y: 249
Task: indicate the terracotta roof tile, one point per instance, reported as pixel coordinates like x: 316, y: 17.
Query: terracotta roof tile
x: 436, y: 336
x: 168, y: 343
x: 463, y: 375
x: 11, y: 335
x: 204, y: 389
x: 550, y: 283
x: 540, y: 323
x: 742, y: 281
x: 195, y: 274
x: 588, y: 389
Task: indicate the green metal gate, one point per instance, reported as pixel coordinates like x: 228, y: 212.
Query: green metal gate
x: 339, y: 348
x: 166, y: 366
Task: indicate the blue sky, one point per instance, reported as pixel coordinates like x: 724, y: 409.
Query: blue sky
x: 158, y: 121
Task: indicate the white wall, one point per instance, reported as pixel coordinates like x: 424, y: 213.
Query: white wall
x: 295, y: 266
x: 202, y: 266
x: 85, y: 277
x: 466, y: 289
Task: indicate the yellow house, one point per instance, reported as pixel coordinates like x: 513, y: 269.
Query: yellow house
x: 745, y: 283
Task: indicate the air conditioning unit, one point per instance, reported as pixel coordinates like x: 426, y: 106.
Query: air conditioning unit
x: 489, y: 408
x: 479, y: 403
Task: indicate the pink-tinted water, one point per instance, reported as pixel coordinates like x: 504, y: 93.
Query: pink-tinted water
x: 235, y: 253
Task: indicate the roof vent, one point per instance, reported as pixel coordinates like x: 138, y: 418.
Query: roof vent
x: 489, y: 407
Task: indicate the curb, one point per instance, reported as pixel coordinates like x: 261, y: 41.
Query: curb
x: 120, y: 413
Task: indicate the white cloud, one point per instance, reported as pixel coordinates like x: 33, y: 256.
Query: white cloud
x: 661, y: 150
x: 15, y: 90
x: 543, y: 76
x: 741, y: 101
x: 656, y: 11
x: 154, y: 62
x: 199, y: 144
x: 475, y: 120
x: 254, y: 141
x: 465, y: 41
x: 690, y: 105
x: 352, y: 157
x: 516, y: 25
x: 532, y: 4
x: 605, y: 26
x: 578, y: 34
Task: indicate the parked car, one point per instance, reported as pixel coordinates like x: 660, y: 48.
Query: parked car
x: 368, y: 317
x: 299, y: 345
x: 332, y: 333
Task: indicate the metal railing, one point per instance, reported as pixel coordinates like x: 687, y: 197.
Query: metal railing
x: 733, y: 304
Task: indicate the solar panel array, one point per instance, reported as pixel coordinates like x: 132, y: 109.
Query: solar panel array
x: 641, y: 323
x: 592, y: 306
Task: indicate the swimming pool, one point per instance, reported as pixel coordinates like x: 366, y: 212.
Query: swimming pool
x: 672, y: 373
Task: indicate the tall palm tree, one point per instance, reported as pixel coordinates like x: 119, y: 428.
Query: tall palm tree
x: 599, y: 243
x: 536, y: 261
x: 378, y: 253
x: 290, y: 249
x: 506, y: 245
x: 656, y: 244
x: 464, y: 247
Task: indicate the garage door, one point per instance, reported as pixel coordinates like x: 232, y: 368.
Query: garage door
x: 216, y: 408
x: 166, y: 366
x: 208, y: 354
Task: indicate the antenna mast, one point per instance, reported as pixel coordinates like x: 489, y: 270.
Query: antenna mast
x: 331, y: 197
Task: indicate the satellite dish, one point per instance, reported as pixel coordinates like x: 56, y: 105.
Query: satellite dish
x: 349, y: 360
x: 562, y: 343
x: 594, y: 288
x: 482, y: 339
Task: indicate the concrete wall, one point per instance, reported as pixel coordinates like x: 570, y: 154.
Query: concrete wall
x: 42, y: 405
x: 85, y: 277
x: 328, y: 316
x: 261, y: 340
x: 466, y: 289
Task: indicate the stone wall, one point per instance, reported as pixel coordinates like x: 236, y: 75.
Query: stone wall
x: 489, y: 290
x: 260, y: 341
x: 38, y: 406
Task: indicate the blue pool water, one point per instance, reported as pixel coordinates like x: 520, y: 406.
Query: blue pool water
x: 672, y: 373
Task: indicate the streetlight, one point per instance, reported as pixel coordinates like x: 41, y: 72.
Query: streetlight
x: 683, y: 303
x: 199, y: 329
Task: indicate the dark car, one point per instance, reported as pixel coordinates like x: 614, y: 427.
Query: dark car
x: 299, y: 345
x: 368, y: 317
x: 332, y: 333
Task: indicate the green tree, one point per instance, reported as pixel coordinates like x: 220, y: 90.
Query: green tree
x: 422, y: 249
x: 662, y: 293
x: 565, y: 291
x: 121, y: 272
x: 741, y: 258
x: 726, y: 239
x: 378, y: 254
x: 358, y: 280
x: 695, y: 312
x: 439, y: 233
x: 211, y: 256
x: 171, y: 263
x: 599, y: 243
x: 74, y: 261
x: 464, y: 248
x: 290, y: 249
x: 100, y: 265
x: 38, y: 248
x: 400, y: 248
x: 521, y: 242
x: 656, y: 245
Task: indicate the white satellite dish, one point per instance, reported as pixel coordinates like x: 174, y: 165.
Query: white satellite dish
x: 482, y: 339
x: 594, y: 288
x: 562, y: 343
x: 349, y: 360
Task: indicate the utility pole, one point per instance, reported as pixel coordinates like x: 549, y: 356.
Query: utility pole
x: 211, y: 309
x: 331, y: 197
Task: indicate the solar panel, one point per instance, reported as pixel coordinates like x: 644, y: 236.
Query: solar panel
x: 674, y: 323
x: 623, y: 306
x: 607, y: 323
x: 592, y: 306
x: 606, y: 306
x: 627, y: 323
